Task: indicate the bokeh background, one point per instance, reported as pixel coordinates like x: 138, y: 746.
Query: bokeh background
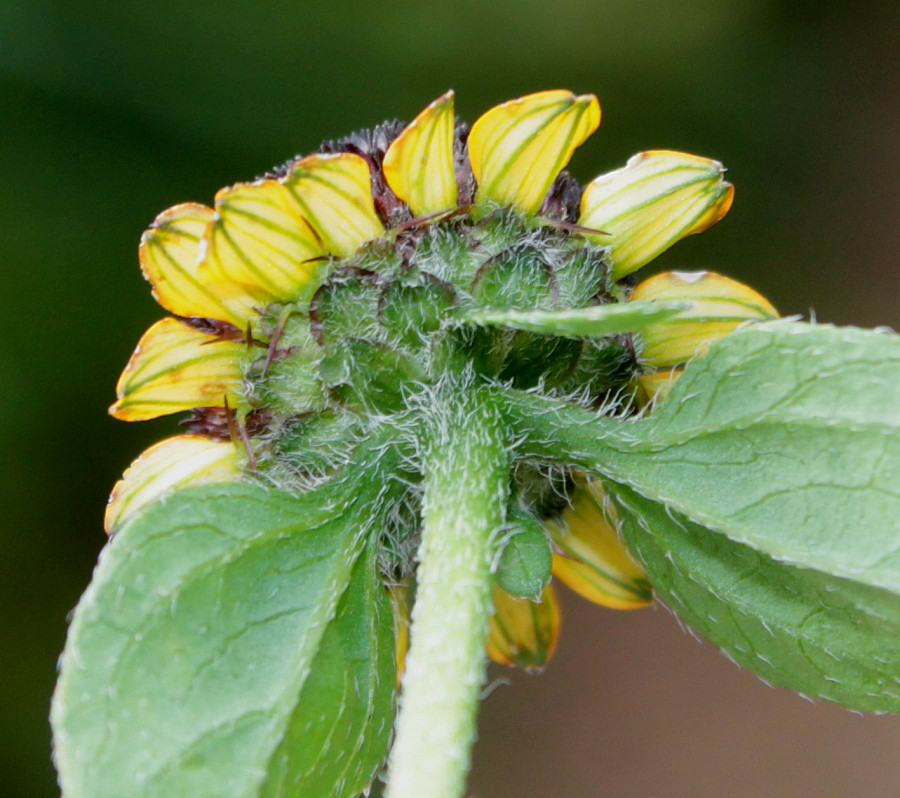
x: 110, y: 112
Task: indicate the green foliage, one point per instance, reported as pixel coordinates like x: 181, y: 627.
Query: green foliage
x: 518, y: 277
x: 784, y: 438
x: 815, y: 633
x: 236, y: 641
x: 340, y: 726
x: 223, y: 625
x: 581, y: 322
x: 368, y: 376
x: 525, y: 559
x: 412, y: 309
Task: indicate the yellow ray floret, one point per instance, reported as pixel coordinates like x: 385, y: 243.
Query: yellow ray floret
x: 523, y: 632
x: 398, y: 595
x: 518, y: 148
x: 261, y: 246
x: 593, y: 561
x: 653, y: 388
x: 418, y: 166
x: 334, y: 193
x: 718, y: 305
x: 173, y: 463
x: 658, y: 198
x: 176, y: 368
x: 170, y: 260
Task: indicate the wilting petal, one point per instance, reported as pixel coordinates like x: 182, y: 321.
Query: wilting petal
x: 518, y: 148
x: 523, y: 632
x: 718, y: 305
x: 418, y: 165
x: 173, y: 463
x: 658, y: 198
x: 260, y: 247
x: 170, y: 258
x: 334, y: 193
x: 593, y: 561
x: 176, y: 368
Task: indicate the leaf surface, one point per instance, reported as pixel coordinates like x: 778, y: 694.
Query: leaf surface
x: 786, y: 437
x: 582, y: 322
x: 814, y: 633
x: 765, y: 500
x: 192, y: 656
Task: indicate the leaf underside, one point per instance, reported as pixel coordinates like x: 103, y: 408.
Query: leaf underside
x: 773, y: 468
x: 786, y: 437
x: 218, y: 627
x: 809, y: 631
x: 596, y: 320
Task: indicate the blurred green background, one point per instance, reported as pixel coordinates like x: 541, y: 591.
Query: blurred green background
x: 110, y: 112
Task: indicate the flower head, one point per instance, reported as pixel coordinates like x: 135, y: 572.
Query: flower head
x: 311, y: 304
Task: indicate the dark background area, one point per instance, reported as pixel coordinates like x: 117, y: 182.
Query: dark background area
x: 110, y: 112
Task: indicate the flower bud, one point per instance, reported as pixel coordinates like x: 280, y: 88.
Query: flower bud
x: 719, y: 305
x: 523, y: 633
x: 591, y: 558
x: 658, y: 198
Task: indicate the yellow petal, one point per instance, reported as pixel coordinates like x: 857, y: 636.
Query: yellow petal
x: 418, y: 166
x: 176, y: 368
x: 658, y: 198
x: 523, y: 633
x: 398, y: 595
x: 518, y: 148
x: 169, y: 255
x: 173, y: 463
x: 718, y: 305
x: 656, y: 386
x: 593, y: 560
x: 259, y: 248
x: 334, y: 193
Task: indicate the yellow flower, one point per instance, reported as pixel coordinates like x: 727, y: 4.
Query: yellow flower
x: 250, y: 283
x: 398, y: 595
x: 517, y: 149
x: 591, y: 558
x: 177, y: 462
x: 274, y: 240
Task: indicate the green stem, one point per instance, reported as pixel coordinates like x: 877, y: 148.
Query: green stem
x: 561, y: 432
x: 466, y: 486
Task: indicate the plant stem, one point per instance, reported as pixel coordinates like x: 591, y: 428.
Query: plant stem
x: 561, y: 432
x: 466, y: 487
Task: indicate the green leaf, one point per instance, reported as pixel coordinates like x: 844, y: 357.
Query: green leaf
x: 339, y: 730
x: 811, y: 632
x: 785, y: 437
x: 581, y: 322
x: 525, y: 563
x: 195, y: 652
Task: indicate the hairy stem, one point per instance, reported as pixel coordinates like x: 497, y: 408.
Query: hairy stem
x: 466, y: 485
x: 561, y: 432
